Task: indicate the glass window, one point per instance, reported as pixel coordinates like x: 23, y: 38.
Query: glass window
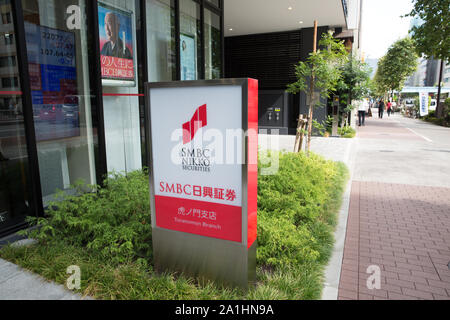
x: 214, y: 2
x: 213, y: 46
x: 9, y: 39
x: 8, y: 61
x: 15, y: 195
x: 61, y: 95
x: 6, y: 17
x: 161, y: 40
x: 190, y: 44
x: 10, y: 83
x: 121, y: 98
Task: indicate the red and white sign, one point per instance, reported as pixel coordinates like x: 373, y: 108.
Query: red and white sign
x: 117, y: 68
x: 203, y: 180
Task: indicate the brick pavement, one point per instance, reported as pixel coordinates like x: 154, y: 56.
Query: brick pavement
x: 404, y: 230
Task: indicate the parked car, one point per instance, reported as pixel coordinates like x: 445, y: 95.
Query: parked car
x: 51, y: 113
x: 433, y: 105
x: 71, y: 110
x: 409, y: 103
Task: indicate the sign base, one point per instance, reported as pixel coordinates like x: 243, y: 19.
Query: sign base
x: 223, y: 262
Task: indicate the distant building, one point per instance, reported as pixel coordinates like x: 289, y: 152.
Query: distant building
x: 418, y: 78
x: 427, y: 74
x: 9, y: 72
x: 446, y: 77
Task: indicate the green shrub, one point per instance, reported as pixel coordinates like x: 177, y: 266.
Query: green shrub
x: 296, y: 219
x: 114, y: 221
x: 347, y: 132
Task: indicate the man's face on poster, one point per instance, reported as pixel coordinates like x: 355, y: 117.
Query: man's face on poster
x: 112, y: 27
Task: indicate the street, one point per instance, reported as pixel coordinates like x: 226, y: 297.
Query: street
x: 399, y: 216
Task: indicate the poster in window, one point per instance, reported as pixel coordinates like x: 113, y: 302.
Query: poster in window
x: 188, y: 57
x: 116, y: 46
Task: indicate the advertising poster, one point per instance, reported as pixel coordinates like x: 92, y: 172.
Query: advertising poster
x: 116, y: 46
x: 53, y: 78
x: 424, y: 104
x: 188, y: 57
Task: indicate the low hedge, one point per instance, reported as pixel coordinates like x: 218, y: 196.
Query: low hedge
x: 296, y: 219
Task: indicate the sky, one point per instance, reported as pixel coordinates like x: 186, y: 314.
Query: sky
x: 382, y: 25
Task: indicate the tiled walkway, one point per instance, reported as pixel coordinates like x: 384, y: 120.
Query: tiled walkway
x: 404, y: 230
x: 400, y: 230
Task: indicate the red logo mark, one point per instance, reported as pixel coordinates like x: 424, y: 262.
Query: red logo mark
x: 198, y: 121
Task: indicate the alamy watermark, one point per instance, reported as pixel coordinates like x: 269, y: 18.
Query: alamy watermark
x: 217, y: 147
x: 74, y: 281
x: 374, y: 280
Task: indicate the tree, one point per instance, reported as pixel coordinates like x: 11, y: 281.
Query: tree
x: 320, y: 73
x: 396, y: 66
x: 354, y: 84
x: 432, y: 36
x: 380, y: 84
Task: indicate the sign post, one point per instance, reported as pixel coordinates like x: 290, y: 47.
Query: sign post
x: 203, y: 151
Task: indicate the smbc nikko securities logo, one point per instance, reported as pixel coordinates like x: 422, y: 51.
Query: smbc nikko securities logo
x: 195, y: 158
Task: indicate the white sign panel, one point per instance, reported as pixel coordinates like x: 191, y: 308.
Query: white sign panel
x: 198, y: 160
x: 423, y: 104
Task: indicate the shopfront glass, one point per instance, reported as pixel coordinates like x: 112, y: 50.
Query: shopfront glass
x: 190, y: 40
x: 120, y: 74
x: 214, y: 2
x: 213, y: 46
x: 15, y: 197
x: 161, y: 40
x: 56, y: 39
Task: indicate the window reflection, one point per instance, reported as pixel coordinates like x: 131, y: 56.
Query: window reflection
x: 213, y: 46
x: 161, y: 40
x: 190, y: 44
x: 59, y: 78
x: 15, y: 198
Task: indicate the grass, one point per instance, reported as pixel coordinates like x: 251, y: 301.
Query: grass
x: 347, y: 132
x: 297, y: 216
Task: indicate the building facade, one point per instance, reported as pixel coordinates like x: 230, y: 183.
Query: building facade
x: 272, y: 40
x: 72, y: 74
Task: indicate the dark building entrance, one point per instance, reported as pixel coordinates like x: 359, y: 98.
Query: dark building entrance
x: 271, y: 58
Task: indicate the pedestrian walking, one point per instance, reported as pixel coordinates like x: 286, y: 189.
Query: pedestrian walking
x: 363, y: 107
x: 381, y: 107
x: 389, y: 108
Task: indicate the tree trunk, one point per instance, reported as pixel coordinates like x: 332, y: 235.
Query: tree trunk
x: 311, y: 96
x: 310, y: 117
x: 438, y: 102
x: 300, y: 134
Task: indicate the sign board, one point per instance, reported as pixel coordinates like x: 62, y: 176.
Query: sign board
x: 423, y: 104
x: 203, y: 162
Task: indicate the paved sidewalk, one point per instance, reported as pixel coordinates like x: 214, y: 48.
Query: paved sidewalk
x: 18, y: 284
x: 399, y: 216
